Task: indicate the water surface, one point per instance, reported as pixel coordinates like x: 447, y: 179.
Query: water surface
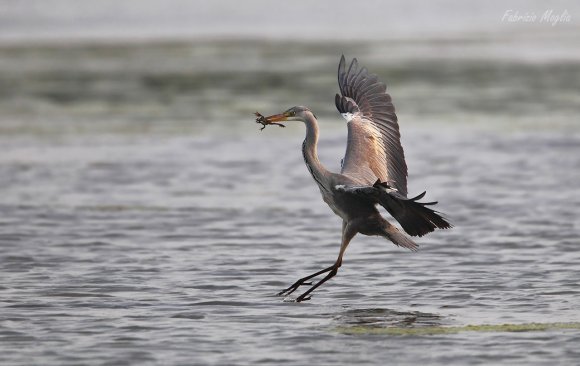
x: 146, y: 220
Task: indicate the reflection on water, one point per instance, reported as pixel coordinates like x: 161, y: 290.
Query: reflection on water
x: 383, y: 318
x: 389, y: 322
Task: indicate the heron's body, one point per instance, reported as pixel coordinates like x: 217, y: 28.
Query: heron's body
x: 373, y: 170
x: 342, y: 204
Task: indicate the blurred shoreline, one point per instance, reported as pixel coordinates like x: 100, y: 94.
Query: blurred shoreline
x: 553, y: 45
x: 198, y: 86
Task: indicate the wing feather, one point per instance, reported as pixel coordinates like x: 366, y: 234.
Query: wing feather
x: 374, y: 148
x: 415, y: 217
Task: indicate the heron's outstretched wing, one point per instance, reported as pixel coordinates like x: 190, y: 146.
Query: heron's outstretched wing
x: 374, y: 148
x: 415, y: 217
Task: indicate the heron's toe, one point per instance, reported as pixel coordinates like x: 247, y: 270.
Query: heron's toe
x: 303, y: 298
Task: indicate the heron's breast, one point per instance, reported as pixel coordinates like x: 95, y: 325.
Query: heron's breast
x: 331, y: 202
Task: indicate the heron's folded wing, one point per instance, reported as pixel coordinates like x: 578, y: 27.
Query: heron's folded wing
x: 415, y: 217
x: 374, y: 148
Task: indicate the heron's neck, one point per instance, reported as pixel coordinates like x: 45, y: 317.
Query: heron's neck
x: 310, y: 151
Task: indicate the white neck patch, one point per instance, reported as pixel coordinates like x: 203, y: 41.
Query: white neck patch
x: 348, y: 116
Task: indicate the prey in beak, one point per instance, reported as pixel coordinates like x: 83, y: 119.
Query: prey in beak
x: 271, y: 120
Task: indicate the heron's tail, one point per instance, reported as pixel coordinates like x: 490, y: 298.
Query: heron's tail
x: 398, y: 238
x: 415, y: 217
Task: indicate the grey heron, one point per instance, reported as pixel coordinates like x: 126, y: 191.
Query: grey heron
x: 374, y: 171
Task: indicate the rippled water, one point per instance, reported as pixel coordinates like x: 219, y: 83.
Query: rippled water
x: 145, y: 219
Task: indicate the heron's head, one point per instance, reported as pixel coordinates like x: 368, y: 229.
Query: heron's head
x: 297, y: 113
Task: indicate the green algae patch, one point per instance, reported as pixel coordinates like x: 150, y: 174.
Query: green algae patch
x: 529, y: 327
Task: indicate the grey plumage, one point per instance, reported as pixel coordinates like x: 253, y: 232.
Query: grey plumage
x: 374, y: 148
x: 373, y: 171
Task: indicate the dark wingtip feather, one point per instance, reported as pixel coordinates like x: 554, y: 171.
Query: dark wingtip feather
x: 353, y: 66
x: 341, y: 73
x: 415, y: 218
x: 430, y: 203
x: 345, y: 105
x: 419, y: 196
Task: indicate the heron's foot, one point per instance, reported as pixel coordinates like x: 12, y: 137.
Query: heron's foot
x: 294, y: 287
x: 303, y: 298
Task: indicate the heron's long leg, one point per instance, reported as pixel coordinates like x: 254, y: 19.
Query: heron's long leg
x: 347, y: 234
x: 303, y: 280
x: 305, y: 296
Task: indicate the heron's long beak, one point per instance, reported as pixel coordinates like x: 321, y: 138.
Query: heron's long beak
x: 277, y: 117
